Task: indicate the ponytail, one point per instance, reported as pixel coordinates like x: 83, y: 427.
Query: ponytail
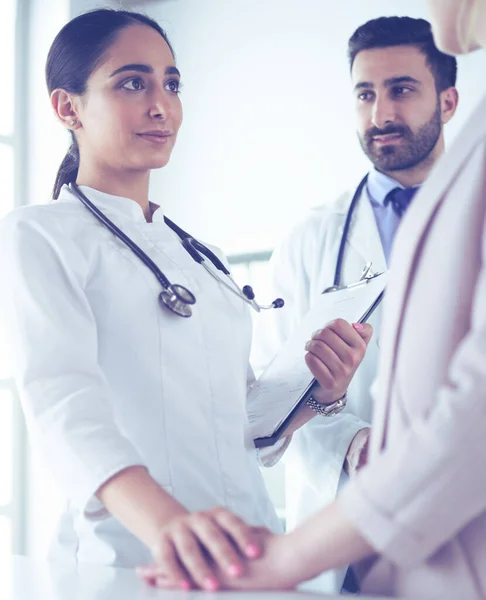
x: 68, y: 171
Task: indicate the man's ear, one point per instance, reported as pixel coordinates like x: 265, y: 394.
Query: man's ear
x: 449, y: 100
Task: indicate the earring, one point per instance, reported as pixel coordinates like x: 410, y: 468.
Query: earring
x: 72, y: 122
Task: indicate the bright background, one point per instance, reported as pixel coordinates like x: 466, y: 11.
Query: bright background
x: 268, y: 133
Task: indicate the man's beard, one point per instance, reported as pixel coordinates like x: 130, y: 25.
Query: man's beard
x: 410, y: 151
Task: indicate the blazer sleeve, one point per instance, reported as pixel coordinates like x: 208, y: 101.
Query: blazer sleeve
x: 428, y: 484
x: 52, y: 334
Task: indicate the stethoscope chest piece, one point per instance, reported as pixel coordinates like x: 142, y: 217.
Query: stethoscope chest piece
x: 178, y: 299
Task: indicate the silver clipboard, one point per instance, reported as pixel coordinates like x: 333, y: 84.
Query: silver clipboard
x: 262, y: 441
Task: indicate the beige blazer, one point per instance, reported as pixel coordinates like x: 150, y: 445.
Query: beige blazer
x: 421, y: 501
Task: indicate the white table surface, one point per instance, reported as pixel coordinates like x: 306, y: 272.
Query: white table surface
x: 26, y: 579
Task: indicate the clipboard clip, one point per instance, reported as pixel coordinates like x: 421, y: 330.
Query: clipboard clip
x: 366, y: 275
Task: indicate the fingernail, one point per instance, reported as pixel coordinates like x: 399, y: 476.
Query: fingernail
x: 211, y: 584
x: 234, y: 570
x: 160, y: 582
x: 358, y: 326
x: 252, y: 551
x: 307, y: 346
x: 184, y: 585
x: 316, y: 333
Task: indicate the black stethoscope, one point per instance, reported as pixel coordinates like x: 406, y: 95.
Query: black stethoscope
x: 366, y: 275
x: 175, y: 297
x: 347, y: 225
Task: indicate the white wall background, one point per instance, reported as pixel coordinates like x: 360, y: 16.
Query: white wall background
x: 269, y: 125
x: 47, y: 143
x: 268, y: 130
x: 268, y: 121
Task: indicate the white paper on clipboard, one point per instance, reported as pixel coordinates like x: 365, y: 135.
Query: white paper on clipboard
x: 282, y: 385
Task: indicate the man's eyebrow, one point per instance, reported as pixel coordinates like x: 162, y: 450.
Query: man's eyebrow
x: 402, y: 79
x: 144, y: 69
x: 364, y: 84
x: 388, y: 82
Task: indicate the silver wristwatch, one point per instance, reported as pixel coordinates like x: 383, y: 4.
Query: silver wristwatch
x: 328, y: 410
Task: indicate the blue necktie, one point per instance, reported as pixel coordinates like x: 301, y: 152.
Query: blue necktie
x: 400, y: 199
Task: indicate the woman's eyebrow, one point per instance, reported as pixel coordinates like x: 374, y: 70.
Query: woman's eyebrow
x: 144, y: 69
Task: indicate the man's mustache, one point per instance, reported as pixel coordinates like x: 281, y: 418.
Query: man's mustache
x: 392, y: 129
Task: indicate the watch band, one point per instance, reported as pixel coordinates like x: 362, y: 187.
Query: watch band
x: 327, y: 410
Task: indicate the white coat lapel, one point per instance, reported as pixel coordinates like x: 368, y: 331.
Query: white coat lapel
x: 364, y: 236
x: 407, y: 247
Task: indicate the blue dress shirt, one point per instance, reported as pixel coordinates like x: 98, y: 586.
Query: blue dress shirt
x: 378, y: 187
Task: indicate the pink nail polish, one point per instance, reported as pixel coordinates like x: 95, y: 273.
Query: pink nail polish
x: 252, y: 551
x: 234, y: 570
x: 185, y: 585
x: 358, y: 326
x: 211, y: 584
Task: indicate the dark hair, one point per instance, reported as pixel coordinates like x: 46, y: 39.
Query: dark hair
x: 398, y: 31
x: 75, y: 53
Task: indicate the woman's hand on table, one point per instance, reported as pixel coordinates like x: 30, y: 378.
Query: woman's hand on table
x: 203, y: 550
x: 274, y: 569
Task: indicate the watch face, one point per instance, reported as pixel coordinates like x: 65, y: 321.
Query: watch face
x: 334, y: 411
x: 336, y: 407
x: 327, y: 410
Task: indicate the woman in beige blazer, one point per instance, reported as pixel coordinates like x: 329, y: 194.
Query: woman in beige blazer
x: 414, y: 519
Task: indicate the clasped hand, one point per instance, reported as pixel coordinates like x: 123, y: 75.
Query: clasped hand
x: 202, y: 549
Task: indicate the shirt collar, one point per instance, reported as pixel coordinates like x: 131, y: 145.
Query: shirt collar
x: 380, y: 185
x: 115, y: 205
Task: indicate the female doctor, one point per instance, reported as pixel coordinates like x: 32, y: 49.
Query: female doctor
x: 139, y: 412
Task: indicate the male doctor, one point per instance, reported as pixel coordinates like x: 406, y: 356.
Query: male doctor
x: 404, y: 91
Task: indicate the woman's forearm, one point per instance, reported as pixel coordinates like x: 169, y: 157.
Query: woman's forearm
x: 136, y: 500
x: 326, y: 541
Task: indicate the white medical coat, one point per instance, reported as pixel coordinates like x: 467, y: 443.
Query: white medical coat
x: 300, y: 269
x: 109, y: 379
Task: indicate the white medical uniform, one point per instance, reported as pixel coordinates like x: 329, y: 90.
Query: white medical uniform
x: 109, y: 379
x: 301, y: 268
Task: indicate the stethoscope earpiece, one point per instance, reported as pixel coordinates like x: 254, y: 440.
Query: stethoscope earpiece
x: 250, y: 294
x: 248, y: 291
